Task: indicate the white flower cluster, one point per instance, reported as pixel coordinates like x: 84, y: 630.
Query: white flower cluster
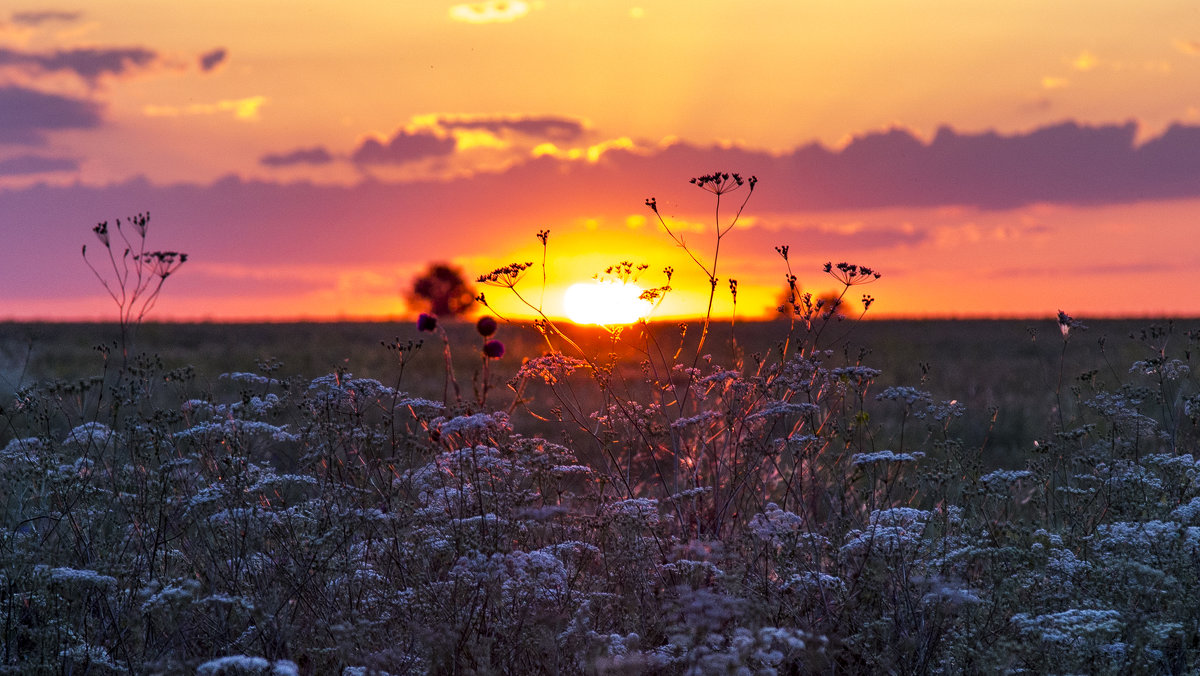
x: 776, y: 525
x: 537, y: 577
x: 1070, y: 626
x: 89, y: 435
x: 640, y: 510
x: 550, y: 367
x: 343, y: 391
x: 904, y: 393
x: 814, y: 583
x: 478, y: 425
x: 701, y: 418
x: 780, y: 408
x: 87, y: 579
x: 237, y: 665
x: 884, y: 456
x: 890, y: 532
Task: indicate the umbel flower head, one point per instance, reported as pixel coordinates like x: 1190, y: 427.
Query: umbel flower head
x: 507, y: 276
x: 162, y: 263
x: 850, y: 274
x: 719, y: 183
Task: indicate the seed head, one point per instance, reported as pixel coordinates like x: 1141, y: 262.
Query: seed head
x: 101, y: 231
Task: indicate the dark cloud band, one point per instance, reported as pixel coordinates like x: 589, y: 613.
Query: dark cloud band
x: 30, y: 114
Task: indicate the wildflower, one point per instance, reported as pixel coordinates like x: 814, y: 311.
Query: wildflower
x: 486, y: 326
x: 720, y: 183
x: 550, y: 367
x: 101, y: 231
x: 775, y: 525
x: 1069, y: 626
x: 1066, y: 322
x: 904, y: 393
x: 850, y: 274
x: 493, y: 349
x: 884, y: 456
x: 426, y: 322
x: 162, y: 263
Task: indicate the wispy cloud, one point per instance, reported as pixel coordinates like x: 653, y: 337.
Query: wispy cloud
x: 246, y: 109
x: 316, y: 155
x: 555, y: 127
x: 491, y: 11
x: 38, y: 18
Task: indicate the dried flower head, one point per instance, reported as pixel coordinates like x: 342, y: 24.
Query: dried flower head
x: 162, y: 263
x: 486, y: 325
x: 506, y: 276
x: 719, y: 183
x: 493, y: 349
x: 140, y: 223
x: 1066, y: 322
x: 101, y: 231
x: 850, y: 274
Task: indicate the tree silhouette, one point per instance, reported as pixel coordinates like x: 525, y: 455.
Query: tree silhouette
x: 441, y: 290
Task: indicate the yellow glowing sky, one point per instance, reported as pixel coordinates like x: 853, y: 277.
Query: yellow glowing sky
x: 639, y: 78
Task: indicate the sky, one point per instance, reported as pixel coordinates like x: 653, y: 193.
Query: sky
x: 313, y: 158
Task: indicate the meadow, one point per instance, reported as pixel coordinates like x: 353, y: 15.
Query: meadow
x: 813, y: 495
x: 291, y: 498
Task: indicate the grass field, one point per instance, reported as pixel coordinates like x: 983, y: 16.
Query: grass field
x: 1011, y: 366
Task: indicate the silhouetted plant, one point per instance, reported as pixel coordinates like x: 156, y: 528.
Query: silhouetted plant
x: 136, y: 276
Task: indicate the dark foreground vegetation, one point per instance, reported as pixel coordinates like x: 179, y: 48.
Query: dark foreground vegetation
x: 303, y: 499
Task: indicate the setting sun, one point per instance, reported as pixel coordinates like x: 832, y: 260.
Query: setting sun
x: 605, y: 303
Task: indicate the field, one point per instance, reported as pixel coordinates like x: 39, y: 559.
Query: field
x: 868, y: 497
x: 1011, y: 366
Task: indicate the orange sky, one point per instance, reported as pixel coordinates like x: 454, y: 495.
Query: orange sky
x: 991, y: 159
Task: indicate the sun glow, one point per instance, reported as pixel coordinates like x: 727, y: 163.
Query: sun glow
x: 605, y: 302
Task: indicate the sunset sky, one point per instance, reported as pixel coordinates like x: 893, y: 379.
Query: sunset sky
x: 1004, y: 159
